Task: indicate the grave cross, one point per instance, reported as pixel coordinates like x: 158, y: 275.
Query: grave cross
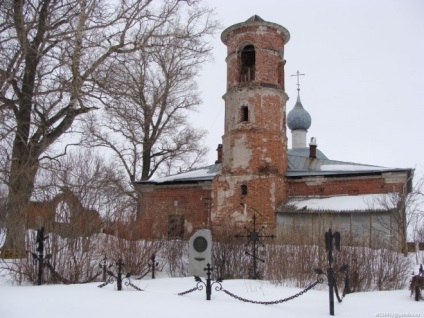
x: 119, y: 276
x: 254, y: 237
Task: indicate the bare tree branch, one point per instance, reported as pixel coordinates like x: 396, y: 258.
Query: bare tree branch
x: 51, y: 55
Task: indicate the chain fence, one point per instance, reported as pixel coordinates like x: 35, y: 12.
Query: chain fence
x: 189, y: 291
x: 200, y: 287
x: 275, y: 301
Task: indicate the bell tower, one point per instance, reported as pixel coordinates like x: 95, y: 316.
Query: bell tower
x: 254, y: 152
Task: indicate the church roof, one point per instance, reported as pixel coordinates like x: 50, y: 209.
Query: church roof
x: 303, y: 153
x: 299, y: 165
x: 206, y: 173
x: 255, y: 18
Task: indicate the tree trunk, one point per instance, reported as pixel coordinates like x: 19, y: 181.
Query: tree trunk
x: 146, y: 160
x: 21, y: 184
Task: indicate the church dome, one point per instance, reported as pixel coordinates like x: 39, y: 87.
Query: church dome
x: 298, y: 117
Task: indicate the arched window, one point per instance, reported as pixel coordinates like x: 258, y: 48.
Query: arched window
x: 248, y: 59
x: 62, y: 213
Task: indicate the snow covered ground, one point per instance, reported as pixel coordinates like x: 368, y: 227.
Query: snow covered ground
x: 160, y: 299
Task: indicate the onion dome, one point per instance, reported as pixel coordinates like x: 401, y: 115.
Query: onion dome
x: 298, y: 117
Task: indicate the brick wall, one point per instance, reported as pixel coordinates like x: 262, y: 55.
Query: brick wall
x: 158, y: 202
x: 268, y: 41
x: 254, y: 150
x: 320, y: 186
x: 264, y: 194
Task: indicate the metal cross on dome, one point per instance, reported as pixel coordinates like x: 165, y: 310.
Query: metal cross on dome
x: 298, y: 74
x: 254, y: 237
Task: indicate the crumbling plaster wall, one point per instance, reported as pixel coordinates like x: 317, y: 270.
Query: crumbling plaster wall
x: 265, y: 193
x: 254, y: 150
x: 260, y: 142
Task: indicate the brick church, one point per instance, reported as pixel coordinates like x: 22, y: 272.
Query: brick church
x: 257, y: 174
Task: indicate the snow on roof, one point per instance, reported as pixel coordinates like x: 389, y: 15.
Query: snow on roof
x: 204, y: 173
x: 350, y: 167
x: 340, y: 203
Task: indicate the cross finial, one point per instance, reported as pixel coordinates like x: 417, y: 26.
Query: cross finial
x: 298, y: 74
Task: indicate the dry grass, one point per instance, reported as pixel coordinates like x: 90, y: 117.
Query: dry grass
x: 291, y: 262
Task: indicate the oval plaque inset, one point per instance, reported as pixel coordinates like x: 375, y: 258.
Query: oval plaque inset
x: 200, y: 244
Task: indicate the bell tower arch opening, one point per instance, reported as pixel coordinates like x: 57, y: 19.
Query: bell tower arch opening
x: 247, y: 63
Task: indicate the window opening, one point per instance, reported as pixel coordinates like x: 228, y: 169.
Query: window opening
x: 175, y: 226
x: 243, y: 189
x: 244, y: 113
x: 248, y: 60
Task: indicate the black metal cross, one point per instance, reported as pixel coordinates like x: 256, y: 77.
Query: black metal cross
x: 254, y: 237
x: 208, y: 269
x: 118, y: 277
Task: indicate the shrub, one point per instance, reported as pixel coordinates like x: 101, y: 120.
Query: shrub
x: 174, y: 254
x: 368, y: 269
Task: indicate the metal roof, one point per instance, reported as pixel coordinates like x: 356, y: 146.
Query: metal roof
x: 299, y: 165
x: 206, y: 173
x: 302, y: 153
x: 255, y: 18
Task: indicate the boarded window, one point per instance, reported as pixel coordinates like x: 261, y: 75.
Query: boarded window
x: 248, y: 60
x: 175, y: 226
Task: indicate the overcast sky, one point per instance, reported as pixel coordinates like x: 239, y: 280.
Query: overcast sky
x: 364, y: 82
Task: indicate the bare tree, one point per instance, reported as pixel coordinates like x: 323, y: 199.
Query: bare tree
x: 415, y: 211
x: 50, y: 53
x: 94, y: 181
x: 406, y: 212
x: 145, y: 120
x: 68, y: 196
